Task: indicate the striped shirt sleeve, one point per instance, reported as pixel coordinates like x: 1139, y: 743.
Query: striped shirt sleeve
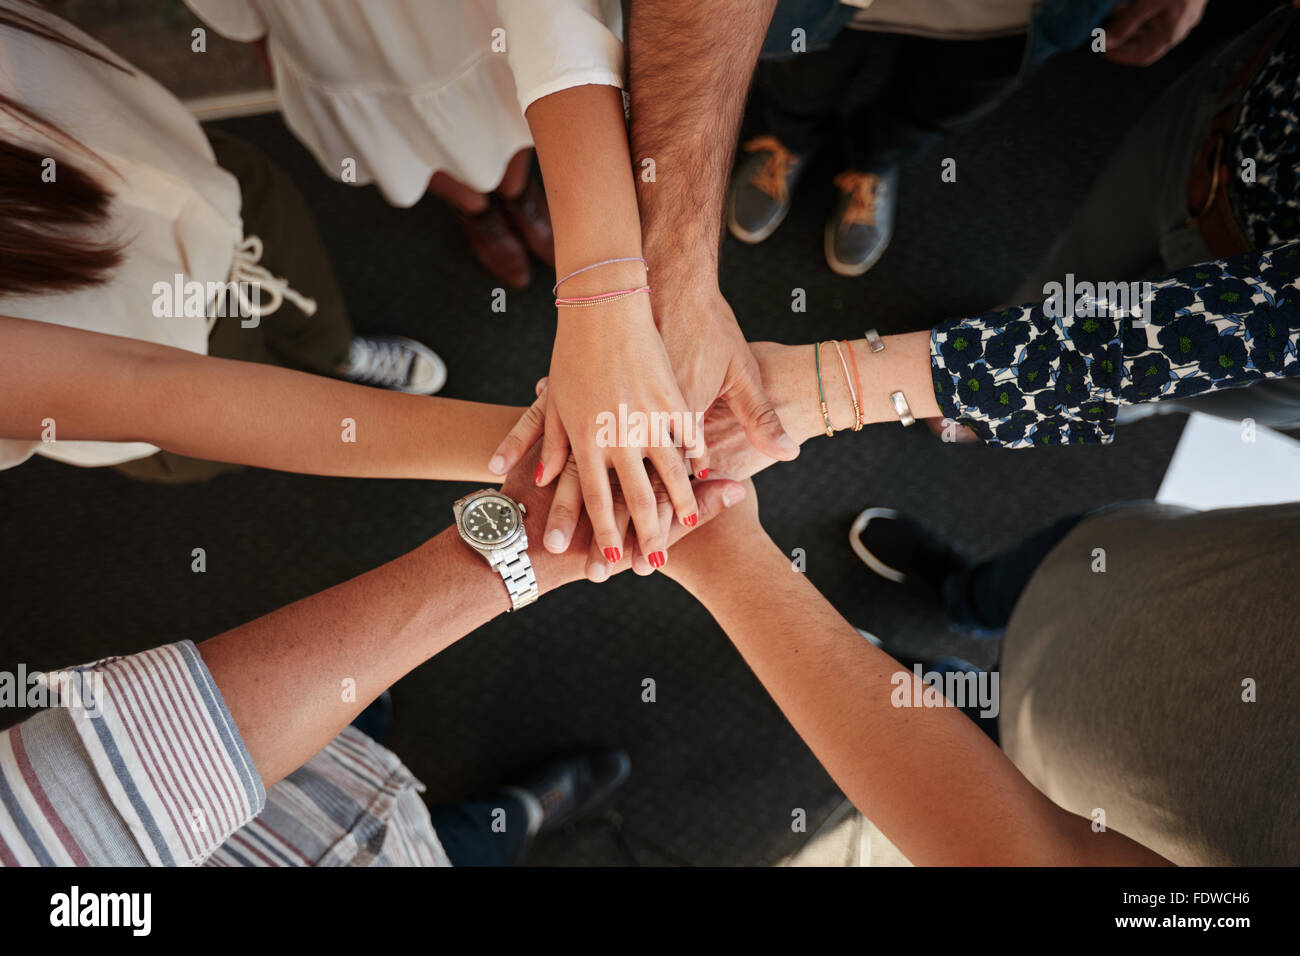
x: 353, y: 804
x: 139, y: 763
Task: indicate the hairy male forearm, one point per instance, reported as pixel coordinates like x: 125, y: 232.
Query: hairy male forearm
x: 689, y: 67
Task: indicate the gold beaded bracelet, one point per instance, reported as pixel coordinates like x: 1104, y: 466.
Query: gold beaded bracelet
x: 853, y: 394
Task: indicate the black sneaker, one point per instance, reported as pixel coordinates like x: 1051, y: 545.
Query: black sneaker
x: 759, y: 197
x: 396, y: 362
x: 902, y: 550
x: 862, y: 224
x: 568, y: 787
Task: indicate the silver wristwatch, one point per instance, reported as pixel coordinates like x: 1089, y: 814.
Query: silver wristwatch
x: 492, y: 523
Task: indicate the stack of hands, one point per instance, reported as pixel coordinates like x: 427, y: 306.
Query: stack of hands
x: 665, y: 492
x: 766, y: 407
x: 727, y: 523
x: 694, y: 371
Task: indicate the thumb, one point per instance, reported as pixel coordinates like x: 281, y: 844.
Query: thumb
x: 521, y: 438
x: 749, y: 403
x: 712, y: 498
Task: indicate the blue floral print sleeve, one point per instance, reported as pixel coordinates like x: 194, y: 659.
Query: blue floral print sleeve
x: 1268, y: 134
x: 1020, y: 377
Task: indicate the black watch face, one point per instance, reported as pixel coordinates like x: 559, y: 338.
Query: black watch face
x: 490, y: 520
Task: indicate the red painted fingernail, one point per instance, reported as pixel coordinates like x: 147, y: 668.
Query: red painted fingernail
x: 704, y: 473
x: 657, y: 559
x: 612, y: 555
x: 537, y: 478
x: 691, y: 520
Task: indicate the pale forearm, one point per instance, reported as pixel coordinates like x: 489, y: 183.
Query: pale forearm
x: 96, y: 387
x: 790, y: 377
x: 933, y: 783
x: 689, y: 66
x: 581, y: 141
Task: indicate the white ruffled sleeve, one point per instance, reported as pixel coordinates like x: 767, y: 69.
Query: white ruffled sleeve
x: 233, y: 19
x: 553, y: 45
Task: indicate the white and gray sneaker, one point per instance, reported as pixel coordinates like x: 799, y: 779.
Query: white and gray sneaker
x: 396, y: 362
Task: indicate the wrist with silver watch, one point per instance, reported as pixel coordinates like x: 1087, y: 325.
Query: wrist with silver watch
x: 492, y: 523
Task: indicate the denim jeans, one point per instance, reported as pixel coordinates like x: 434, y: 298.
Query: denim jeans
x: 891, y: 96
x: 488, y: 830
x: 982, y: 596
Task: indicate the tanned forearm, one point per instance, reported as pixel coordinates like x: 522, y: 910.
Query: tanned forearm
x: 790, y: 376
x: 927, y: 776
x: 296, y: 677
x: 98, y: 387
x: 689, y: 67
x: 283, y: 675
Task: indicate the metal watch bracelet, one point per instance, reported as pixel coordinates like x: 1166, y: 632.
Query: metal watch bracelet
x: 516, y: 571
x: 898, y: 399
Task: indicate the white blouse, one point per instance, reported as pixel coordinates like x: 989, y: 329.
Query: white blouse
x: 391, y: 91
x: 173, y: 208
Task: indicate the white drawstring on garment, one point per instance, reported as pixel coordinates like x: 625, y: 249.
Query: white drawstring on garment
x: 246, y: 270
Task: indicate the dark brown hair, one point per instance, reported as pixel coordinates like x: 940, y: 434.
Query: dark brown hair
x: 48, y: 229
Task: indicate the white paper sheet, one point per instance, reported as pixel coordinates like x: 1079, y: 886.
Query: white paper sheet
x: 1214, y: 466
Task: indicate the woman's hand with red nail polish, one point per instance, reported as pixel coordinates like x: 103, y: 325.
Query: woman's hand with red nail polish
x: 582, y: 559
x: 644, y: 561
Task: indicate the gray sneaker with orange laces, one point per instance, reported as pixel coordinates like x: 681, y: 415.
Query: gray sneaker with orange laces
x: 759, y: 197
x: 859, y: 229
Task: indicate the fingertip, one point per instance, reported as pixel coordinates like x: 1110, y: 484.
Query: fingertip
x: 786, y: 445
x: 715, y: 497
x: 733, y: 494
x: 698, y: 463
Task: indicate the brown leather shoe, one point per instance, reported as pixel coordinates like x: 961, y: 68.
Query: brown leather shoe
x: 495, y: 244
x: 531, y: 218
